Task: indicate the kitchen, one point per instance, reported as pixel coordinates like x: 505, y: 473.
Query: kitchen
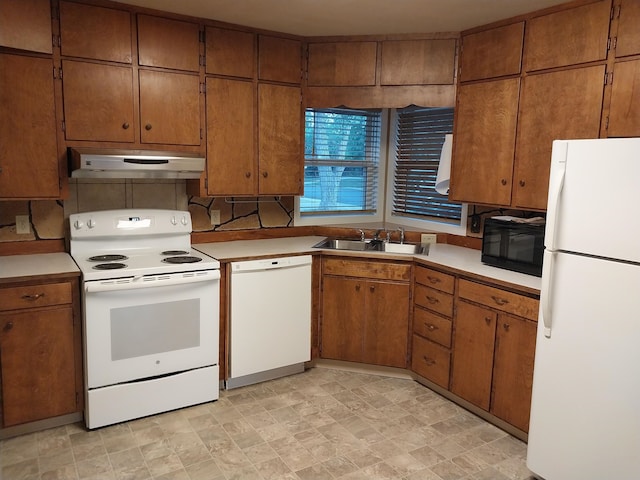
x: 48, y: 217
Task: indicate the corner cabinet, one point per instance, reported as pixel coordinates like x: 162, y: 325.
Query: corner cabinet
x: 365, y: 311
x: 40, y: 350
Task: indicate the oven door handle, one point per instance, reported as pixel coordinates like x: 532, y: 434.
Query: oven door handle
x: 150, y: 281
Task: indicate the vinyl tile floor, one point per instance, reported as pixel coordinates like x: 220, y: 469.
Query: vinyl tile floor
x: 323, y: 424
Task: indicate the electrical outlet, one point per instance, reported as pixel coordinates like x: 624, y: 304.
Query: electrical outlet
x: 23, y: 226
x: 215, y: 217
x: 428, y: 238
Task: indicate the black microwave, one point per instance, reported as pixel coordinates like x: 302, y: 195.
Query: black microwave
x: 513, y: 245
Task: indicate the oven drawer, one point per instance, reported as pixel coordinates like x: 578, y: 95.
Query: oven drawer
x: 31, y: 296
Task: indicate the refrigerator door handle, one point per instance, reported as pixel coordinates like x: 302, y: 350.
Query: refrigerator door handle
x: 556, y: 183
x: 545, y: 299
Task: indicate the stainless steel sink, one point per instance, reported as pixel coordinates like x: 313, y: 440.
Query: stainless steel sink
x: 372, y: 246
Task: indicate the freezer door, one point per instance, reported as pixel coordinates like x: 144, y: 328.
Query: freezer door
x: 593, y: 192
x: 585, y: 412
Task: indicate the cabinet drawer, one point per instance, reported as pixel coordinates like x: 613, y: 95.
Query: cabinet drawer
x: 431, y: 361
x: 31, y: 296
x: 356, y: 268
x: 434, y: 300
x: 435, y: 279
x: 499, y: 299
x: 432, y: 326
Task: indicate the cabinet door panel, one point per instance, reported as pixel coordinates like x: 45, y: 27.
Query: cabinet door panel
x: 473, y: 346
x: 230, y: 52
x: 624, y: 114
x: 231, y: 157
x: 431, y: 361
x: 280, y: 140
x: 572, y: 36
x: 551, y: 107
x: 89, y: 31
x: 168, y: 43
x: 417, y: 62
x: 513, y: 370
x: 38, y: 379
x: 169, y: 108
x: 628, y: 41
x: 386, y: 327
x: 342, y: 318
x: 342, y: 64
x: 20, y: 16
x: 280, y: 59
x: 28, y: 143
x: 484, y: 142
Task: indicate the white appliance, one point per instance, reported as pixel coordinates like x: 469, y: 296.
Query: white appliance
x: 585, y: 412
x: 150, y: 314
x: 270, y: 319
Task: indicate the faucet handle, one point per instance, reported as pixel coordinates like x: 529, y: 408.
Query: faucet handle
x: 401, y: 230
x: 362, y: 236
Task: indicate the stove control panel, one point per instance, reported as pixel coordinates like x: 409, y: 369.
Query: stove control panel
x: 114, y: 223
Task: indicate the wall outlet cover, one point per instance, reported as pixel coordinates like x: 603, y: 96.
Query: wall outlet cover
x: 23, y: 225
x: 215, y: 217
x: 428, y: 238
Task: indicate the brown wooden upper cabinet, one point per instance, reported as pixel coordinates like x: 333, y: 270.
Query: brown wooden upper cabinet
x: 93, y: 32
x: 20, y: 16
x: 230, y: 52
x: 168, y: 43
x: 279, y: 59
x: 568, y: 37
x: 418, y: 62
x: 342, y: 64
x: 628, y: 37
x: 492, y: 53
x: 624, y: 112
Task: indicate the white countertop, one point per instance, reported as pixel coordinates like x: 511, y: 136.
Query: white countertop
x: 20, y: 266
x: 452, y: 256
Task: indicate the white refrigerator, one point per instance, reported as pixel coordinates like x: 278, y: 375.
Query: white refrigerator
x: 585, y: 411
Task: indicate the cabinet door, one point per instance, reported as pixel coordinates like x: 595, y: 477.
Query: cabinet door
x: 431, y: 361
x: 98, y: 102
x: 417, y: 62
x: 473, y: 345
x: 513, y: 370
x: 99, y: 33
x: 628, y: 41
x: 230, y: 52
x: 28, y: 144
x: 342, y: 64
x: 551, y: 107
x: 492, y: 53
x: 624, y: 114
x: 280, y: 59
x: 343, y: 316
x: 231, y: 156
x: 169, y: 108
x: 386, y: 327
x: 20, y: 16
x: 163, y: 42
x: 280, y: 140
x: 38, y: 369
x: 485, y: 135
x: 568, y: 37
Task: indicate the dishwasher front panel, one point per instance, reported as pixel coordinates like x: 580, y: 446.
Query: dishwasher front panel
x: 270, y: 316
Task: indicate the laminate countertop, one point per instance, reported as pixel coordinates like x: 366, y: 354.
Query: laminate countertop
x: 20, y: 267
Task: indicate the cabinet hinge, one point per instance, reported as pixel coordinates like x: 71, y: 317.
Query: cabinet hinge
x: 201, y: 135
x: 201, y: 35
x: 55, y: 40
x: 615, y: 11
x: 206, y: 184
x: 612, y: 43
x: 606, y: 123
x: 55, y: 12
x: 608, y: 78
x: 64, y: 126
x: 203, y: 88
x: 203, y: 61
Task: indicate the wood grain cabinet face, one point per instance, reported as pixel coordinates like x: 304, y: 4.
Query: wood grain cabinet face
x: 168, y: 43
x: 93, y: 32
x: 492, y: 53
x: 624, y: 113
x: 628, y: 36
x: 568, y: 37
x: 279, y: 59
x: 417, y: 62
x: 552, y: 106
x: 27, y: 113
x: 20, y: 16
x: 342, y: 64
x: 230, y: 52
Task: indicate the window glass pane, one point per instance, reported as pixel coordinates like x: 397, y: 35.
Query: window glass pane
x: 342, y: 151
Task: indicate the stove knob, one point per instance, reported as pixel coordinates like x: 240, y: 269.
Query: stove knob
x: 173, y: 220
x: 91, y: 223
x: 78, y: 224
x: 184, y: 220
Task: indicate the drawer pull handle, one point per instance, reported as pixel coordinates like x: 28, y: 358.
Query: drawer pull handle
x: 429, y: 361
x: 8, y: 326
x: 32, y: 298
x: 430, y: 326
x: 432, y: 300
x: 499, y: 301
x: 433, y: 280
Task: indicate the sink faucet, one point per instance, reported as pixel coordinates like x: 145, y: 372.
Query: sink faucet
x: 401, y: 230
x: 361, y: 234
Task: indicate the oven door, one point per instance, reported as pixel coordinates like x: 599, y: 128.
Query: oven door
x: 148, y: 326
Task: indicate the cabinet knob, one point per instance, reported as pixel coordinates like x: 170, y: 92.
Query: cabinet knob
x: 357, y: 288
x: 265, y: 174
x: 506, y: 326
x: 372, y: 288
x: 8, y: 326
x: 503, y: 181
x: 248, y: 174
x: 430, y: 326
x: 148, y: 126
x: 521, y: 183
x: 487, y: 320
x: 125, y: 125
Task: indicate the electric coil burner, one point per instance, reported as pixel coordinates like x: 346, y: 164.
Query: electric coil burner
x: 151, y: 314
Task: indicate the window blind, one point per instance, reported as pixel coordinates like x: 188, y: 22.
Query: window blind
x: 342, y: 154
x: 419, y: 137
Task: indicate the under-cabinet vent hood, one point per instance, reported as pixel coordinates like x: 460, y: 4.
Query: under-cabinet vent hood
x: 101, y: 163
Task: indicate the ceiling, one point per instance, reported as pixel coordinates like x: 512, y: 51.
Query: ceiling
x: 351, y: 17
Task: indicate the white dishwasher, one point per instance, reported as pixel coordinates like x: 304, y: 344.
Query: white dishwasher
x: 270, y: 319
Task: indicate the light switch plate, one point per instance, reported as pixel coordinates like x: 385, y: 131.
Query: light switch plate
x: 23, y: 226
x: 215, y: 217
x: 428, y: 238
